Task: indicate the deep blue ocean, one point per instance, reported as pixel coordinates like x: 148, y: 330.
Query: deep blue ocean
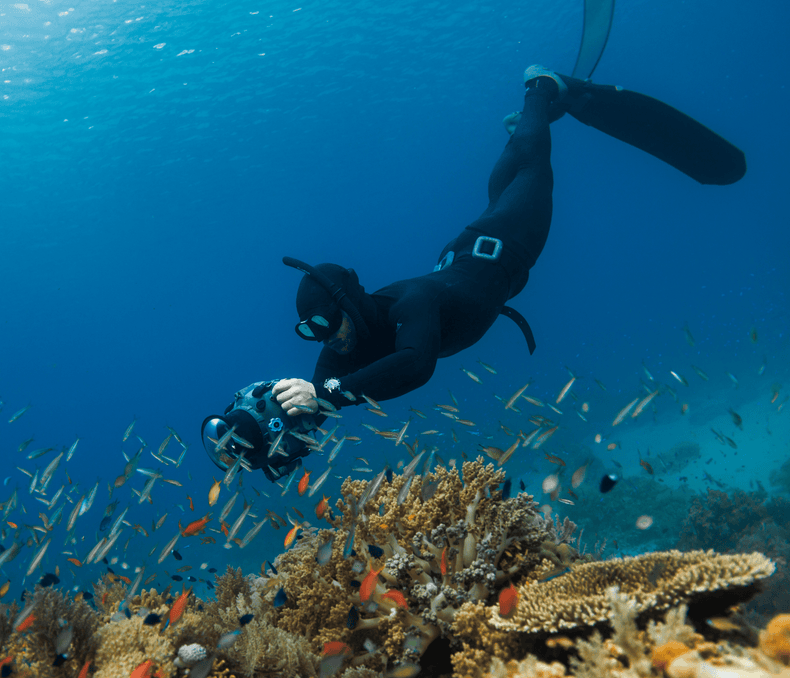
x: 158, y: 161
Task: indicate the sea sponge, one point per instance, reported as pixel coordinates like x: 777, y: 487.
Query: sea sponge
x: 775, y: 639
x: 662, y: 655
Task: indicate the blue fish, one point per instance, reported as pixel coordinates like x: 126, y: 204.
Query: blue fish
x: 506, y: 488
x: 349, y: 545
x: 375, y: 551
x: 387, y: 475
x: 280, y: 599
x: 353, y: 617
x: 105, y: 523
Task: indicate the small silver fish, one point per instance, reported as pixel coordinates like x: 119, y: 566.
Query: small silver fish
x: 253, y: 531
x: 38, y: 557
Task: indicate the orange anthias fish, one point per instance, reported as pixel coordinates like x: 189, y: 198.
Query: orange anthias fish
x: 179, y: 606
x: 213, y: 493
x: 143, y: 670
x: 369, y: 584
x: 195, y: 527
x: 26, y: 623
x: 191, y: 503
x: 84, y: 671
x: 443, y: 564
x: 508, y: 601
x: 303, y: 483
x: 335, y: 647
x: 74, y: 561
x: 396, y: 597
x: 291, y: 536
x: 321, y: 507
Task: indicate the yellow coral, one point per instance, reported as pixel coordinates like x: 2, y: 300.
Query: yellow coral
x: 656, y: 581
x: 775, y: 639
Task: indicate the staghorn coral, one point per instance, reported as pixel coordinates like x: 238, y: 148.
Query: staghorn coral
x: 34, y: 649
x: 657, y: 581
x: 453, y: 540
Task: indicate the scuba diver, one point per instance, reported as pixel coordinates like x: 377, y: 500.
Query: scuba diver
x: 386, y: 344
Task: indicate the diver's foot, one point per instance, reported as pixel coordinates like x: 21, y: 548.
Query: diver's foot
x: 536, y: 76
x: 511, y: 121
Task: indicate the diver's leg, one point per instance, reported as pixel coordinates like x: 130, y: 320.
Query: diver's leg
x: 520, y: 186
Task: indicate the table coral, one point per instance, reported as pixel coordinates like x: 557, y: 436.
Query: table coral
x: 657, y: 581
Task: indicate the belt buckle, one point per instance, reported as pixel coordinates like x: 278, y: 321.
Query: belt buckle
x: 477, y: 251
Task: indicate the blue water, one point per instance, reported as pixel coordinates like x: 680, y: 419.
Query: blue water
x: 159, y: 160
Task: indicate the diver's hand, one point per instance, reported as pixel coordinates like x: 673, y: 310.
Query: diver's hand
x: 296, y: 396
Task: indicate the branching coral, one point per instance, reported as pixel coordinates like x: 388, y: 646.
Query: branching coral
x: 52, y: 611
x: 425, y: 550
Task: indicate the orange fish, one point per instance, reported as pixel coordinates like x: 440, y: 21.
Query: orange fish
x: 508, y: 601
x: 369, y: 584
x: 124, y: 579
x: 646, y: 466
x: 104, y: 597
x: 74, y: 561
x: 84, y: 671
x: 321, y: 507
x: 26, y: 623
x: 443, y: 564
x: 195, y: 527
x: 224, y: 527
x: 143, y: 670
x: 291, y: 536
x: 6, y: 661
x: 396, y: 597
x: 191, y: 504
x: 178, y: 607
x: 336, y: 647
x: 303, y: 483
x: 14, y: 525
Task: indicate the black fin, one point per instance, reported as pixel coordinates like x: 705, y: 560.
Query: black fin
x: 658, y: 129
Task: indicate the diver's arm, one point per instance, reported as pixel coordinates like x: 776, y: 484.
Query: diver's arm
x: 411, y: 365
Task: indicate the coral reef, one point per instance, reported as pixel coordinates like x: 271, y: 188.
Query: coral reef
x: 51, y: 611
x: 742, y: 522
x: 656, y: 581
x: 407, y: 578
x: 669, y: 647
x: 781, y: 477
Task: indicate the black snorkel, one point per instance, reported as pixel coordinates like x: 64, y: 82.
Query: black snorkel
x: 337, y: 293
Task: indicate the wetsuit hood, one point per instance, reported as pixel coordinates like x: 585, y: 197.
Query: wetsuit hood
x: 326, y: 289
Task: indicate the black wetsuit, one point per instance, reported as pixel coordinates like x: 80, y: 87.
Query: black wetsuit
x: 414, y: 322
